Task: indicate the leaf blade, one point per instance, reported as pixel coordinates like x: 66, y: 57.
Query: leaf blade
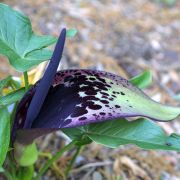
x: 17, y: 39
x: 12, y: 97
x: 4, y: 82
x: 142, y: 133
x: 4, y: 133
x: 142, y: 80
x: 71, y: 32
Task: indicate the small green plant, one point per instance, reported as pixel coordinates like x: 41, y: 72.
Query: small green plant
x: 87, y: 105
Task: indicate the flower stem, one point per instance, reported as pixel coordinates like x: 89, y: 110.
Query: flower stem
x: 26, y: 81
x: 54, y: 165
x: 69, y: 167
x: 8, y: 175
x: 54, y: 158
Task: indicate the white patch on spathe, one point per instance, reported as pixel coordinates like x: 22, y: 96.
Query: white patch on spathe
x: 68, y: 84
x: 82, y: 85
x: 82, y: 94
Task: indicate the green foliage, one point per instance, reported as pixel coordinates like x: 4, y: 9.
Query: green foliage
x: 142, y: 132
x: 71, y: 32
x: 142, y: 80
x: 9, y: 82
x: 25, y: 155
x: 12, y: 97
x: 77, y: 134
x: 4, y: 82
x: 26, y: 173
x: 4, y: 133
x: 18, y: 42
x: 1, y: 169
x: 167, y: 2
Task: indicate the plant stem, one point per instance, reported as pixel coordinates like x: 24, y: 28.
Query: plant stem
x: 13, y: 113
x: 69, y: 167
x: 26, y: 81
x: 8, y: 175
x: 54, y: 158
x: 54, y: 165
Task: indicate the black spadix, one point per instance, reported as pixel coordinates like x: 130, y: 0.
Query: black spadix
x: 42, y: 89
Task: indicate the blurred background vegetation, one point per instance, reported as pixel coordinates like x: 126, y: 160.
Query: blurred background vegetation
x: 124, y: 37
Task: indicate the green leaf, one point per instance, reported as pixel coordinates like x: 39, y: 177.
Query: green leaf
x: 4, y: 82
x: 15, y: 83
x: 25, y: 155
x: 168, y: 2
x: 1, y: 169
x: 142, y: 132
x: 71, y: 32
x: 4, y: 133
x: 9, y: 82
x: 77, y: 134
x: 74, y: 133
x: 18, y: 42
x: 12, y: 97
x: 26, y: 173
x: 142, y: 80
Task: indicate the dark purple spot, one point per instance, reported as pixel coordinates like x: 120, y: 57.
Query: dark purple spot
x: 89, y: 98
x: 77, y: 74
x: 95, y: 107
x: 117, y: 106
x: 107, y: 85
x: 79, y: 111
x: 90, y: 92
x: 66, y: 122
x: 82, y: 118
x: 104, y: 97
x: 104, y: 101
x: 102, y: 113
x: 92, y: 79
x: 106, y: 94
x: 68, y: 78
x: 102, y: 80
x: 87, y: 103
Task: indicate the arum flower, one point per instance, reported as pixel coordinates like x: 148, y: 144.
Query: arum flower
x: 71, y: 98
x: 77, y: 97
